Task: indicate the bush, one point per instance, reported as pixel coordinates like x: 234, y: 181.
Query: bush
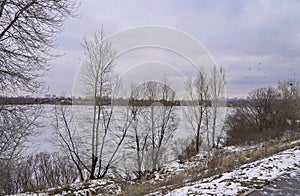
x: 266, y: 114
x: 37, y: 172
x: 189, y: 152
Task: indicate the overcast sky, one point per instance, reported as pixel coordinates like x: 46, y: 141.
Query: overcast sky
x: 257, y: 42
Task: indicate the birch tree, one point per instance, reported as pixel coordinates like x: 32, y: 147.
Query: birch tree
x: 204, y: 114
x: 217, y: 99
x: 138, y: 134
x: 107, y: 131
x: 195, y: 114
x: 162, y: 121
x: 154, y: 122
x: 97, y: 78
x: 167, y: 125
x: 68, y: 138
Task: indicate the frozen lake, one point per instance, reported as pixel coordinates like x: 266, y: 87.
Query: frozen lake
x: 45, y: 140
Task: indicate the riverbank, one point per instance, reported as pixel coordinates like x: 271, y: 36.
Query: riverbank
x: 247, y: 177
x: 224, y: 173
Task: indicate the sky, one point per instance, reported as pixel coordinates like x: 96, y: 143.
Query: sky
x: 256, y: 42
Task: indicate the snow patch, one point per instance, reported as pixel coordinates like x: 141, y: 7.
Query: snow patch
x: 246, y: 177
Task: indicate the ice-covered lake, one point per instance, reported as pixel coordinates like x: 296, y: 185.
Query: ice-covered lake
x: 46, y: 140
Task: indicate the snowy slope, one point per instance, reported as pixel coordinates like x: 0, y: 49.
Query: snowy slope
x: 248, y: 176
x: 240, y: 180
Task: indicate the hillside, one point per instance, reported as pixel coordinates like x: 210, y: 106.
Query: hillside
x: 218, y: 172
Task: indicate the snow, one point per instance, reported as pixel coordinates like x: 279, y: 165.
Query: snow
x: 296, y: 142
x: 239, y: 149
x: 82, y: 188
x: 246, y: 177
x: 156, y: 177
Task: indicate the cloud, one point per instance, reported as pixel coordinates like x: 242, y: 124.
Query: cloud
x: 261, y: 35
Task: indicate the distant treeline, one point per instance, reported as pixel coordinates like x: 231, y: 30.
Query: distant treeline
x: 33, y: 101
x: 108, y: 101
x: 125, y: 102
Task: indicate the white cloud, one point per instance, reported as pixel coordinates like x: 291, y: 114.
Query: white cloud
x: 239, y: 34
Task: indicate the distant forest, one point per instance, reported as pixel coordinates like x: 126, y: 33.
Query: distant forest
x: 108, y: 101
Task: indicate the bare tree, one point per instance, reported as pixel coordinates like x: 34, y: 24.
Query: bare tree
x: 17, y: 124
x: 162, y: 121
x: 97, y: 79
x: 197, y: 89
x: 138, y: 134
x: 263, y: 108
x: 105, y: 128
x: 207, y: 105
x: 262, y: 116
x: 289, y: 92
x: 43, y: 170
x: 217, y: 99
x: 154, y: 122
x: 68, y: 138
x: 27, y: 29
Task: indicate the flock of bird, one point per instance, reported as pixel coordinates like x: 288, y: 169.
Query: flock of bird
x: 259, y: 68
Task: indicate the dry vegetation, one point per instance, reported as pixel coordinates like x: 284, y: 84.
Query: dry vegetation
x: 268, y: 113
x: 222, y: 161
x: 265, y: 124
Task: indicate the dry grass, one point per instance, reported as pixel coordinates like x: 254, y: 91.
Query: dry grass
x: 221, y: 162
x: 232, y: 160
x: 142, y: 188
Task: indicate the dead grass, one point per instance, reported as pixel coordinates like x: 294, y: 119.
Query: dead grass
x: 221, y: 162
x: 232, y: 160
x: 142, y: 188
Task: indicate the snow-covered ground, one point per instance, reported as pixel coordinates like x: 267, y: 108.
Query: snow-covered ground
x: 92, y: 187
x: 287, y: 184
x: 246, y: 177
x: 243, y: 179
